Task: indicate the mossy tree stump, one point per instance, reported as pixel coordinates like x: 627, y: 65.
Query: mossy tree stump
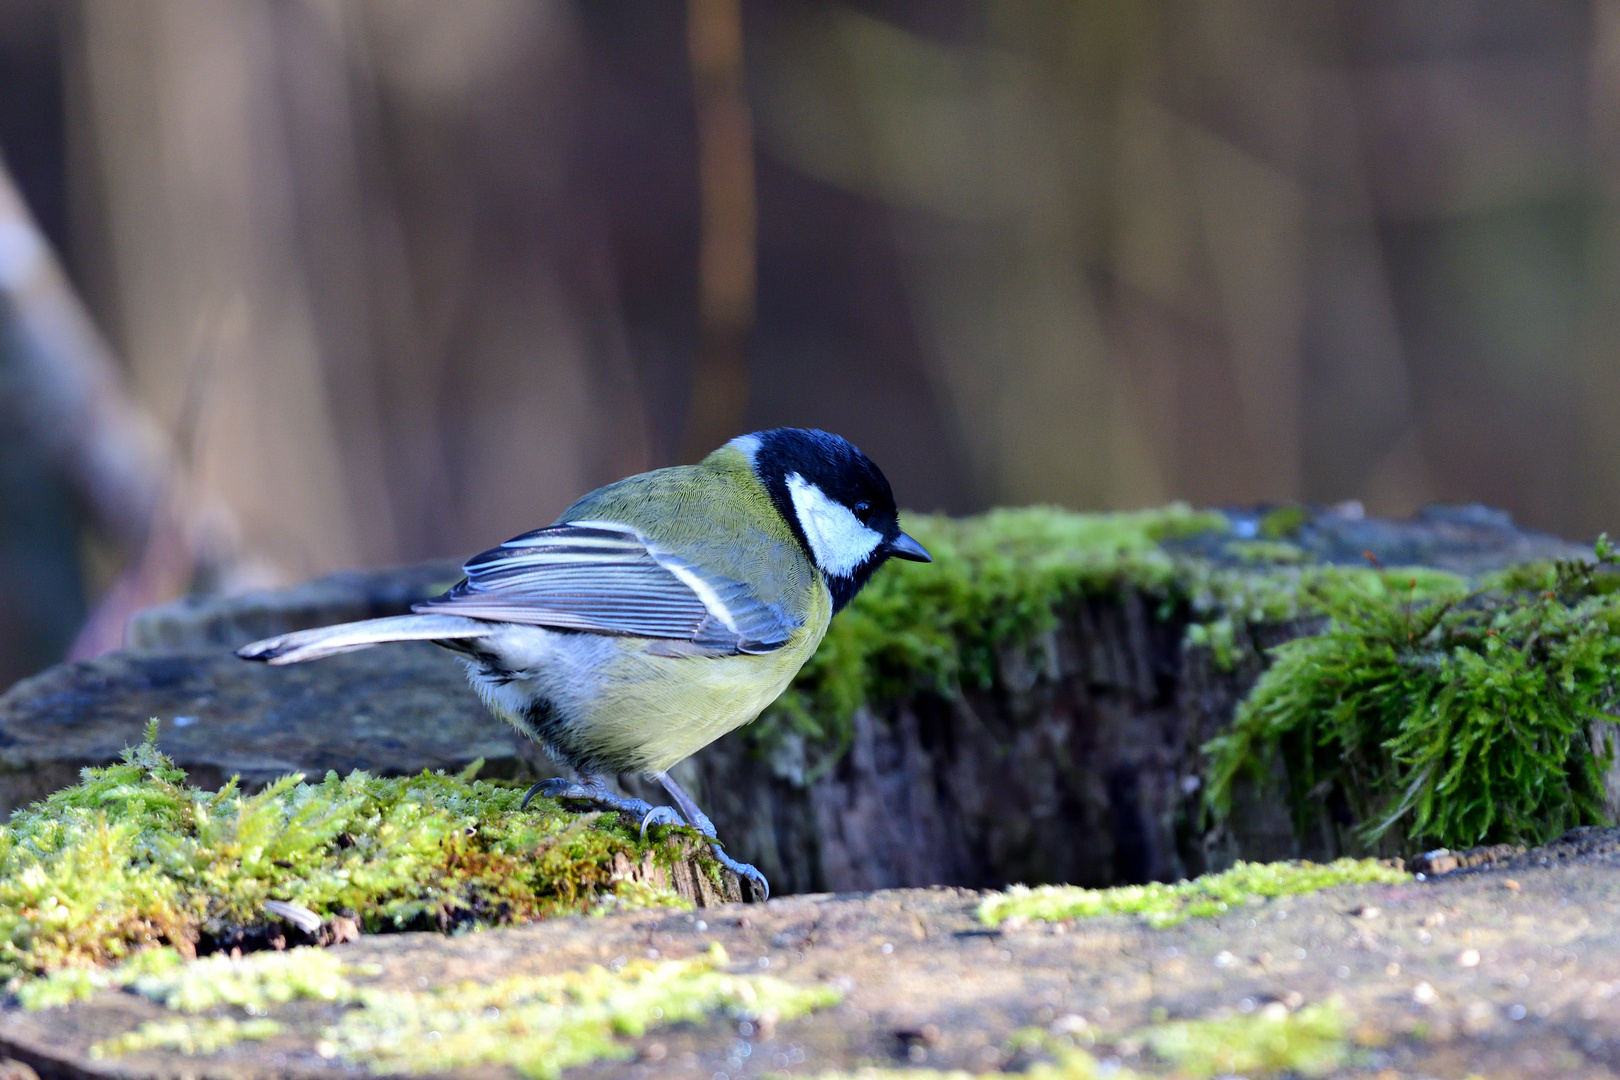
x: 1030, y: 708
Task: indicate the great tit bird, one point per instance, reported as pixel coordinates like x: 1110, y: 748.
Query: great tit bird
x: 656, y: 613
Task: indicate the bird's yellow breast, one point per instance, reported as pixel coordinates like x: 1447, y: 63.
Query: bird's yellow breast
x: 656, y: 710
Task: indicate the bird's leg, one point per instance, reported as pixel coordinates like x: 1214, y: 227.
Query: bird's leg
x: 700, y: 821
x: 594, y: 790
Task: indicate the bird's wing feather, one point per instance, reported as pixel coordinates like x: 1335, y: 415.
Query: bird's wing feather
x: 606, y: 578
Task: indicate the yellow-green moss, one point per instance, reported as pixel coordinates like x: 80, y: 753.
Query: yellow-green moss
x: 253, y: 982
x: 1271, y: 1041
x: 1442, y: 719
x: 1064, y: 1063
x: 1262, y: 552
x: 542, y: 1025
x: 1309, y: 1042
x: 1268, y: 1042
x: 538, y: 1025
x: 1283, y: 522
x: 186, y: 1035
x: 1168, y: 904
x: 133, y: 857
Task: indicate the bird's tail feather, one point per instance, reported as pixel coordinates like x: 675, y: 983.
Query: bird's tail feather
x: 323, y: 641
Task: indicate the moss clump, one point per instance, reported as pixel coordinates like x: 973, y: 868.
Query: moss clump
x: 252, y: 983
x: 133, y: 857
x: 996, y: 582
x: 542, y: 1025
x: 1168, y: 904
x: 186, y: 1036
x: 1000, y: 580
x: 538, y: 1025
x: 1482, y: 716
x: 1066, y: 1063
x: 1284, y: 522
x: 1261, y: 552
x: 1272, y: 1040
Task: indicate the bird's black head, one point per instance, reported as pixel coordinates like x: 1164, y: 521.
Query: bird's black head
x: 835, y: 500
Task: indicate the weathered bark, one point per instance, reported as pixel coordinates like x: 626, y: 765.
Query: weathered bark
x: 1082, y: 769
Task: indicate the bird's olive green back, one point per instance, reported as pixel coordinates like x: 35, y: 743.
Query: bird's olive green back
x: 718, y: 514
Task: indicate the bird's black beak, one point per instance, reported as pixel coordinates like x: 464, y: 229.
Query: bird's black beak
x: 904, y: 547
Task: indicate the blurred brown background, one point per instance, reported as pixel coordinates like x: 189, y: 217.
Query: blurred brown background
x: 399, y: 278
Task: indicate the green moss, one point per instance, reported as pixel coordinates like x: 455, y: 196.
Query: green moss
x: 1284, y: 522
x: 133, y: 857
x: 1281, y: 592
x: 186, y: 1035
x: 1470, y: 717
x: 538, y: 1025
x: 1309, y: 1042
x: 1272, y: 1041
x: 1168, y: 904
x: 254, y: 982
x: 1065, y: 1063
x: 1262, y: 552
x: 542, y: 1025
x: 1220, y: 638
x: 1001, y: 580
x: 997, y: 582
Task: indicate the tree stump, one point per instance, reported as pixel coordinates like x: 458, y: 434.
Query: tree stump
x: 1078, y: 762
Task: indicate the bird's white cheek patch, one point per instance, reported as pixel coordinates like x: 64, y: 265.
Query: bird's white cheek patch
x: 837, y: 538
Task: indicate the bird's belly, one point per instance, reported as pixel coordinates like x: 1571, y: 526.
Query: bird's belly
x: 660, y: 710
x: 606, y: 705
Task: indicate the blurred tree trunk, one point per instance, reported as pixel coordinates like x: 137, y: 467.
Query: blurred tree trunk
x: 1474, y: 141
x: 198, y: 188
x: 65, y: 392
x: 367, y: 224
x: 718, y: 392
x: 1136, y: 237
x: 1597, y: 479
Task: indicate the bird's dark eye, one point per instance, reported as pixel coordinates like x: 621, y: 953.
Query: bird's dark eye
x: 863, y: 511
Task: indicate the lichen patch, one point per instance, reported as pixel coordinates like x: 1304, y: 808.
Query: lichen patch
x: 537, y: 1025
x: 1166, y: 904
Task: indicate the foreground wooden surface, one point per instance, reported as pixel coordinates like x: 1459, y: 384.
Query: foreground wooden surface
x: 1512, y: 970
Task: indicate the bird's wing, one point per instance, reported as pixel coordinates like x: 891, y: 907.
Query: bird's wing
x: 606, y: 578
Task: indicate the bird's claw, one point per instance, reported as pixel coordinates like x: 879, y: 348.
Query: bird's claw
x: 640, y: 809
x: 558, y: 787
x: 660, y: 815
x: 742, y: 870
x: 595, y: 792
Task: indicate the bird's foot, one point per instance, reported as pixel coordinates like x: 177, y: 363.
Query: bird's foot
x: 700, y: 821
x: 660, y: 815
x: 597, y: 795
x: 743, y: 870
x: 558, y: 787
